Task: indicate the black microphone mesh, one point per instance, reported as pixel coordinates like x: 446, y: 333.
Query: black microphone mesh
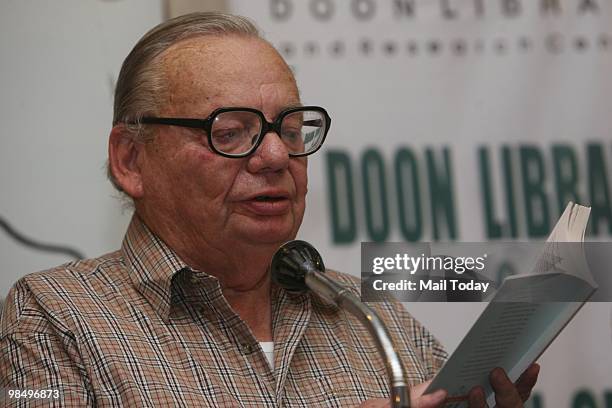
x: 292, y: 261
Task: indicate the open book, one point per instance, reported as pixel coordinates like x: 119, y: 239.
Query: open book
x: 525, y: 315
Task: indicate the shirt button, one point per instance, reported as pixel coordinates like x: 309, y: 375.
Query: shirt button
x: 247, y: 348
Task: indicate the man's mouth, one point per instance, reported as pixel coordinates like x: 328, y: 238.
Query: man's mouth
x: 264, y: 198
x: 272, y: 203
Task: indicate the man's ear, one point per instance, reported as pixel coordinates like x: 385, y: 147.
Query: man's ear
x: 123, y: 163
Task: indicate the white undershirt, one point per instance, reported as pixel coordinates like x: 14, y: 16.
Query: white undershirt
x: 268, y: 349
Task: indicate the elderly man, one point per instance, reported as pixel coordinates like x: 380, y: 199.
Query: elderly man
x: 209, y: 141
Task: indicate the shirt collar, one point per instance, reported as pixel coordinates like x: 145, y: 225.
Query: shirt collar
x: 152, y: 265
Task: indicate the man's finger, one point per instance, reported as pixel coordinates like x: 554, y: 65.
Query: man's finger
x: 506, y: 394
x: 527, y: 380
x: 433, y: 400
x: 476, y: 398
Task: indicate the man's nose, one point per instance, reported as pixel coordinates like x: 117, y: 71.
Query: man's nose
x: 271, y: 155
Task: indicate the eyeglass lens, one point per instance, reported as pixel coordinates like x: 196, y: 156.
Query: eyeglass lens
x: 235, y: 132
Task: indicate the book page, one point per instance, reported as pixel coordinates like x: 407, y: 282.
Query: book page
x: 558, y: 255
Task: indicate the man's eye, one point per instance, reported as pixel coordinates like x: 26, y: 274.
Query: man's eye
x: 292, y: 135
x: 226, y: 136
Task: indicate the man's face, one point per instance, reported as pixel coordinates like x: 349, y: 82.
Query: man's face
x: 191, y: 190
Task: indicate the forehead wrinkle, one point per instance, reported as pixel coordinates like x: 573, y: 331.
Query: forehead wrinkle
x: 212, y: 65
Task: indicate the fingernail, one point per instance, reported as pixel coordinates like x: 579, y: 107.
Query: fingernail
x: 497, y: 374
x: 440, y: 395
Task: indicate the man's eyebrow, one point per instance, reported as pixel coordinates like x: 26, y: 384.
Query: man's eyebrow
x: 294, y: 105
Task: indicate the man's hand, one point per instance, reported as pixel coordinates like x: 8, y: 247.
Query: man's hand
x: 507, y: 395
x: 417, y: 399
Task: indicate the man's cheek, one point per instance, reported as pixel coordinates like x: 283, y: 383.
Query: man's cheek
x: 300, y: 177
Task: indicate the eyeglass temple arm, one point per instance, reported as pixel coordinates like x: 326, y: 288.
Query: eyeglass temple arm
x: 192, y: 123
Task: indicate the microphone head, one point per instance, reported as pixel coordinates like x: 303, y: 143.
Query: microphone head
x: 292, y: 261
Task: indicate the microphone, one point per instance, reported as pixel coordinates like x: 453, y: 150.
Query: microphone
x: 297, y: 266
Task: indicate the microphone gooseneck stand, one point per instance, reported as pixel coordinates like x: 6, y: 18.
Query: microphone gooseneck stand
x: 297, y: 266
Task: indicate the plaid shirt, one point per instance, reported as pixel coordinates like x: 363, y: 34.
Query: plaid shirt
x: 138, y: 327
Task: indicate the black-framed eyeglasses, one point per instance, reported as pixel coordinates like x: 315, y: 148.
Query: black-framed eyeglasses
x: 237, y: 132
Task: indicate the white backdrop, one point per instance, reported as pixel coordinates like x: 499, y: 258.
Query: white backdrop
x: 452, y: 87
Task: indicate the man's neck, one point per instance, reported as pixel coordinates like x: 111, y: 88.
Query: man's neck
x: 254, y: 308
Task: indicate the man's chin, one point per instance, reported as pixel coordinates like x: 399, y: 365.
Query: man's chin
x: 268, y: 230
